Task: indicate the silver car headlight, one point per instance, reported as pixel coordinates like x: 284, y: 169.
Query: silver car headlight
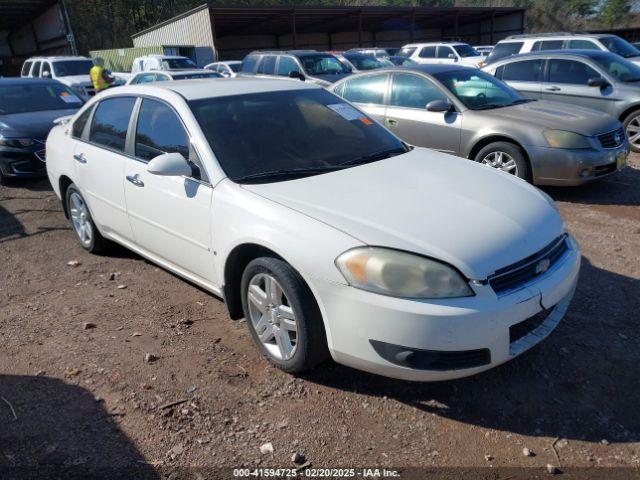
x: 565, y: 139
x: 400, y: 274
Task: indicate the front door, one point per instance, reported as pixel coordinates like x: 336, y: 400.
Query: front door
x: 408, y: 117
x: 170, y: 216
x: 99, y: 161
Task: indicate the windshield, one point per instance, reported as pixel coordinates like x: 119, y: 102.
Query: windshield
x: 35, y: 98
x: 620, y: 47
x: 235, y: 66
x: 72, y: 67
x: 479, y: 90
x: 190, y: 76
x: 178, y: 63
x: 364, y: 62
x: 323, y: 65
x: 622, y: 69
x: 465, y: 50
x: 278, y: 135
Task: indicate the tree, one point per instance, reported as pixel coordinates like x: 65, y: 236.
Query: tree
x: 613, y: 12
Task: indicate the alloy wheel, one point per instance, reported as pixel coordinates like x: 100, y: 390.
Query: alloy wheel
x: 633, y: 131
x: 80, y: 219
x: 501, y: 161
x: 272, y: 317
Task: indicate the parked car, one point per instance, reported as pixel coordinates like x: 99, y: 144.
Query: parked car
x: 517, y: 44
x: 162, y: 62
x: 28, y: 108
x: 228, y: 68
x: 472, y: 114
x: 401, y: 61
x: 163, y: 76
x: 319, y: 226
x: 483, y: 50
x: 362, y: 61
x: 442, y: 52
x: 71, y: 71
x: 315, y: 67
x: 589, y: 78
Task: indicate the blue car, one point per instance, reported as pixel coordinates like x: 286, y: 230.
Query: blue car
x: 28, y: 107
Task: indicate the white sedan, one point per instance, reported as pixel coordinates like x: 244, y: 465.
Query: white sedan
x: 316, y: 224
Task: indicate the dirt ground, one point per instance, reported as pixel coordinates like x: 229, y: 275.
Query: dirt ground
x: 81, y: 400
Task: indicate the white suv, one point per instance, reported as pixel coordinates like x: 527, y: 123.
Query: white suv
x: 72, y: 71
x: 517, y: 44
x: 442, y: 52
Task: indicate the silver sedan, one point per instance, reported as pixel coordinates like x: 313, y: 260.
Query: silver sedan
x: 472, y: 114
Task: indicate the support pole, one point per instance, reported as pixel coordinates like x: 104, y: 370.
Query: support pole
x: 413, y: 26
x: 493, y: 17
x: 293, y: 29
x: 360, y: 28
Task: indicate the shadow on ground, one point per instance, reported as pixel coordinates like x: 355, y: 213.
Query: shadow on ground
x: 580, y: 383
x: 60, y: 431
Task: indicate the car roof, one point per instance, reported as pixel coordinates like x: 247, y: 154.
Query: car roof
x: 25, y: 80
x: 218, y: 87
x: 430, y: 44
x: 533, y: 36
x: 186, y: 71
x: 585, y: 53
x: 431, y: 68
x: 61, y: 57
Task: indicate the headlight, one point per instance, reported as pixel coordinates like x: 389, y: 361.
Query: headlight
x: 401, y: 274
x: 16, y: 142
x: 564, y: 139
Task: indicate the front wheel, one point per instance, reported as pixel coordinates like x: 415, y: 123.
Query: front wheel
x: 282, y: 315
x: 82, y: 223
x: 632, y: 128
x: 507, y: 157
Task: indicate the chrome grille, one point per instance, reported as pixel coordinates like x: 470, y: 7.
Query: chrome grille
x: 521, y: 273
x: 612, y: 139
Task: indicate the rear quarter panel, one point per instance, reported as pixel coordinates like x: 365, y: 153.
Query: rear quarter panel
x: 59, y: 148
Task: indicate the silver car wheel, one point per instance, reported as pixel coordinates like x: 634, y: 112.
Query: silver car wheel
x: 272, y: 317
x: 502, y: 161
x: 80, y: 219
x: 633, y: 131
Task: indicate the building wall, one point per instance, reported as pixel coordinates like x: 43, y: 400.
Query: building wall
x: 480, y: 33
x: 46, y: 34
x: 193, y: 29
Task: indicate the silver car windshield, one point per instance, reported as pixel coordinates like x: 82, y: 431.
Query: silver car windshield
x: 623, y: 70
x: 620, y: 47
x: 478, y: 90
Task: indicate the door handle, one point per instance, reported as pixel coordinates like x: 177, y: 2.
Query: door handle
x: 135, y: 179
x: 80, y: 158
x: 392, y: 122
x: 553, y: 89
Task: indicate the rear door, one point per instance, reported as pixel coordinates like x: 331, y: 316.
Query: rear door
x: 170, y: 216
x: 567, y: 81
x: 99, y: 159
x: 427, y: 55
x: 523, y: 75
x: 368, y: 92
x: 408, y: 117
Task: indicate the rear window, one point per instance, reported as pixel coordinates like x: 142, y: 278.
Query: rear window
x: 26, y: 68
x: 547, y: 45
x: 503, y: 50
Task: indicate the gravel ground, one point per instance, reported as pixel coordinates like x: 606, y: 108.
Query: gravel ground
x: 79, y: 396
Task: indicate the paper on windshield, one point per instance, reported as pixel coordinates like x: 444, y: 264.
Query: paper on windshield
x: 69, y: 98
x: 346, y: 111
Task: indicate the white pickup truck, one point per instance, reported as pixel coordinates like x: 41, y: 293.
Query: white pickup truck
x: 72, y: 71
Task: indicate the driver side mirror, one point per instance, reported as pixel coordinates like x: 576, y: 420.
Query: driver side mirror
x: 439, y: 106
x: 297, y: 74
x: 598, y: 82
x: 452, y: 57
x: 170, y: 165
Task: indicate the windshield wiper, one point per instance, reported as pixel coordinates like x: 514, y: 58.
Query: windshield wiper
x: 488, y: 106
x: 520, y: 101
x: 374, y: 157
x: 288, y: 173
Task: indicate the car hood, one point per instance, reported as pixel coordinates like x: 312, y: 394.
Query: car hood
x: 466, y: 214
x: 548, y: 115
x: 31, y: 124
x: 83, y: 80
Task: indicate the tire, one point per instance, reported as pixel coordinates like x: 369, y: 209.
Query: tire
x: 294, y: 306
x: 632, y: 121
x: 81, y: 222
x: 518, y: 161
x: 4, y: 181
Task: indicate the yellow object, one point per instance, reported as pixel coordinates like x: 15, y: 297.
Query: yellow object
x: 97, y: 78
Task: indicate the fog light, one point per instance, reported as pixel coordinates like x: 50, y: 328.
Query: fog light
x: 585, y: 172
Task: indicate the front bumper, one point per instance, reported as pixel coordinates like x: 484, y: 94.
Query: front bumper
x: 480, y: 327
x: 565, y: 167
x: 23, y: 162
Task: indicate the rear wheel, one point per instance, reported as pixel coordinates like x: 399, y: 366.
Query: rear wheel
x: 632, y: 127
x: 282, y: 315
x: 507, y: 157
x: 83, y: 226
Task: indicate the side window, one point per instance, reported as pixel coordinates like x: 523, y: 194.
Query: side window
x: 25, y: 69
x: 286, y: 66
x: 159, y: 131
x: 499, y: 72
x: 79, y: 124
x: 571, y: 72
x: 36, y: 69
x: 268, y: 65
x: 110, y: 122
x: 444, y: 52
x: 583, y: 44
x: 428, y: 52
x: 367, y: 89
x: 412, y: 91
x: 525, y: 71
x: 547, y: 45
x: 249, y: 63
x: 46, y: 67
